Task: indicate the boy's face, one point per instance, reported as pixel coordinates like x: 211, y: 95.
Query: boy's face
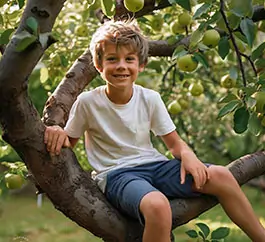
x: 120, y: 66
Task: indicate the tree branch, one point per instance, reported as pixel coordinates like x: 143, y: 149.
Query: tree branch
x: 71, y: 190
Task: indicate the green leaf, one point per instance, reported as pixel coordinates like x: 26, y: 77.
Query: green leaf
x: 229, y: 97
x: 233, y: 72
x: 64, y: 61
x: 248, y: 28
x: 25, y: 39
x: 214, y: 18
x: 183, y: 3
x: 260, y: 63
x: 156, y: 65
x: 241, y: 117
x: 200, y: 11
x: 202, y: 235
x: 223, y: 47
x: 196, y: 37
x: 233, y: 21
x: 44, y: 74
x: 254, y: 125
x: 201, y: 59
x: 258, y: 52
x: 179, y: 51
x: 242, y: 10
x: 228, y: 108
x: 220, y: 233
x: 192, y: 233
x: 108, y: 7
x: 5, y: 36
x: 21, y: 3
x: 204, y: 228
x: 1, y: 20
x: 33, y: 25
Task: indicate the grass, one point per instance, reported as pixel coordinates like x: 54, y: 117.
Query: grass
x: 22, y: 221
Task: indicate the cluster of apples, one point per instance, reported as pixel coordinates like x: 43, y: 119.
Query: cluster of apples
x: 182, y: 103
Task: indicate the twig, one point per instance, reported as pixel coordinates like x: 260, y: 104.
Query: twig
x: 251, y: 63
x: 167, y: 71
x: 234, y: 43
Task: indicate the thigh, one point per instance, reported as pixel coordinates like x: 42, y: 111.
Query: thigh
x: 125, y: 191
x: 167, y: 180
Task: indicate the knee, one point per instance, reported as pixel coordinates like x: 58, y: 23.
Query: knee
x: 220, y: 178
x: 155, y: 207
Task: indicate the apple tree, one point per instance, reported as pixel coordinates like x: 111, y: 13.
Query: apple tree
x: 206, y: 60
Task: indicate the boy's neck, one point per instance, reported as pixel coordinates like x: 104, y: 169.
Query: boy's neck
x: 119, y: 96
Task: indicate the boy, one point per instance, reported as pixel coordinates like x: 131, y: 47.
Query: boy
x: 117, y: 119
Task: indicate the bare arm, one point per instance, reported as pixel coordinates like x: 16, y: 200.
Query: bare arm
x: 189, y: 161
x: 55, y: 138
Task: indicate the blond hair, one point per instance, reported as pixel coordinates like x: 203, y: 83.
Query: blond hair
x: 119, y: 33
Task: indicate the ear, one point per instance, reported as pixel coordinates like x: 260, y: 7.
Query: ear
x: 141, y: 67
x: 99, y: 68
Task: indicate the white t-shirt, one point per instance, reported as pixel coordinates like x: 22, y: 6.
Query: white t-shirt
x: 119, y: 135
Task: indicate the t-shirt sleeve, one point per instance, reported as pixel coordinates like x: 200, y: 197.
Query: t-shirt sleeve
x: 161, y: 122
x: 76, y: 124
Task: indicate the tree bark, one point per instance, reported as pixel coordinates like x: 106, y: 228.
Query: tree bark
x: 71, y: 189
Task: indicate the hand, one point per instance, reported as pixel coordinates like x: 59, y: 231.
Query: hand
x: 55, y: 138
x: 192, y: 165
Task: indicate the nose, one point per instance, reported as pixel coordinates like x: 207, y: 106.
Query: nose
x: 121, y: 64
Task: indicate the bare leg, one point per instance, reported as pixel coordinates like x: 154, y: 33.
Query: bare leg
x: 156, y: 210
x: 223, y: 185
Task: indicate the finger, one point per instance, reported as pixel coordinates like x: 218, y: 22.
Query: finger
x: 59, y: 144
x: 53, y: 143
x: 46, y: 135
x: 67, y: 142
x: 205, y: 176
x: 208, y: 173
x: 196, y: 179
x: 182, y: 175
x: 201, y: 178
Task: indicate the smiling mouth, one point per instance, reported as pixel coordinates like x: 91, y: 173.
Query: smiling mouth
x: 121, y: 76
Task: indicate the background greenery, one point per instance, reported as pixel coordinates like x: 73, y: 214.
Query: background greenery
x: 214, y: 140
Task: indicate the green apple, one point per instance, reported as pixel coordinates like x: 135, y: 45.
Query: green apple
x: 196, y: 89
x: 227, y: 81
x: 14, y: 181
x: 211, y: 38
x: 174, y: 107
x: 187, y: 63
x: 260, y: 101
x: 134, y: 5
x: 156, y: 22
x: 176, y: 28
x: 184, y: 103
x: 184, y: 19
x: 81, y: 30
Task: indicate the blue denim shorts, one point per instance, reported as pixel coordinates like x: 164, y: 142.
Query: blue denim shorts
x: 127, y: 186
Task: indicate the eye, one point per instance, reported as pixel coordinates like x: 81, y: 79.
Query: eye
x: 111, y: 59
x: 130, y: 58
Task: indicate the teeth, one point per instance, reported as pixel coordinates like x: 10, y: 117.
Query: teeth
x: 121, y: 76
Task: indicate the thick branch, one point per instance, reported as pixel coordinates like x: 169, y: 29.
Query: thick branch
x: 77, y: 78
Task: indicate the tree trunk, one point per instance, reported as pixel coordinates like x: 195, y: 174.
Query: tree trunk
x: 71, y: 190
